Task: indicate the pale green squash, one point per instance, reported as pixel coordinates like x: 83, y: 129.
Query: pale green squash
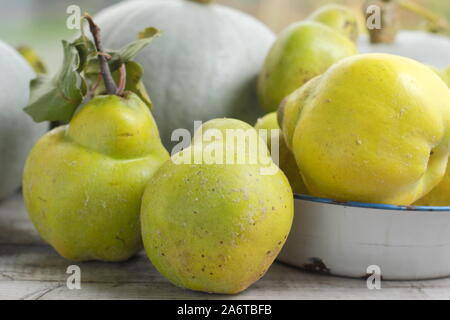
x: 425, y: 47
x: 18, y: 132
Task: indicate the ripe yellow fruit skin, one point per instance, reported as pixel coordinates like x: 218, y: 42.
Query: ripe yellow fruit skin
x: 340, y: 18
x: 440, y: 195
x: 301, y: 52
x: 83, y: 183
x: 446, y: 76
x: 215, y: 227
x: 373, y: 128
x: 286, y: 159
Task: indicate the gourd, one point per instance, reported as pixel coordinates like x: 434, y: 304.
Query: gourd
x: 206, y: 64
x: 431, y: 49
x: 18, y: 132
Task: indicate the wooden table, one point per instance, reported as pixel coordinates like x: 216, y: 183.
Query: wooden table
x: 30, y: 269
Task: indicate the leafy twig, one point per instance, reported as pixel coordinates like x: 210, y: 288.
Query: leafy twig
x: 105, y: 71
x: 85, y: 64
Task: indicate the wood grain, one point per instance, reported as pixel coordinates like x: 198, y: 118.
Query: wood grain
x: 30, y: 269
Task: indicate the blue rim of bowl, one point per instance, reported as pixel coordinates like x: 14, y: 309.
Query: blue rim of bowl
x: 370, y: 205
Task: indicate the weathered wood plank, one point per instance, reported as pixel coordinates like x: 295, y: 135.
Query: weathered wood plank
x: 58, y: 290
x: 29, y: 269
x: 54, y: 290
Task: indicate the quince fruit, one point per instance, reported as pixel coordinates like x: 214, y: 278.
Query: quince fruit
x: 339, y: 18
x: 286, y: 160
x: 211, y: 226
x: 83, y: 182
x: 446, y: 76
x: 303, y: 51
x: 373, y: 128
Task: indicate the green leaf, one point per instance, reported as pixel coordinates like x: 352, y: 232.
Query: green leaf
x: 126, y: 53
x: 86, y: 49
x: 93, y: 65
x: 57, y: 98
x: 145, y: 37
x: 133, y: 81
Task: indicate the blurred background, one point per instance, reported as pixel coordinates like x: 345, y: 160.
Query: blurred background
x: 41, y: 23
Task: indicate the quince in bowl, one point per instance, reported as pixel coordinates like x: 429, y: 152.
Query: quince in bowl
x: 370, y: 138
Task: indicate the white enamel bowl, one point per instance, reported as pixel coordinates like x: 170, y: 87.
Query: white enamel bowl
x: 344, y: 239
x: 407, y: 243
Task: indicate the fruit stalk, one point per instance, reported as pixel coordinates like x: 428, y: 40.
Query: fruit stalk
x: 436, y: 22
x: 122, y: 80
x: 102, y: 56
x: 389, y: 21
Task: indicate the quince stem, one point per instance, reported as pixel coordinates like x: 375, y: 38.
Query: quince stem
x: 102, y: 56
x: 389, y: 11
x: 436, y: 22
x: 389, y: 20
x: 122, y: 80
